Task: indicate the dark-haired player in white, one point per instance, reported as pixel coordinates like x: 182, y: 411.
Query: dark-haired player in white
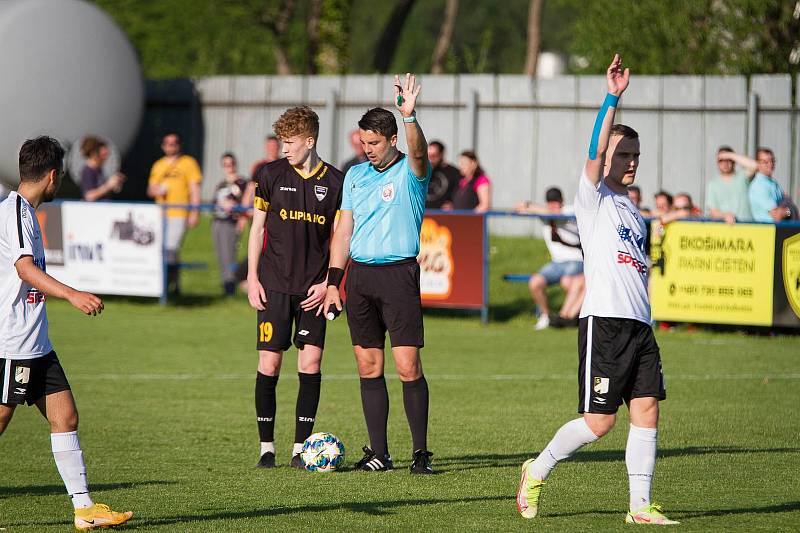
x: 619, y: 357
x: 29, y: 368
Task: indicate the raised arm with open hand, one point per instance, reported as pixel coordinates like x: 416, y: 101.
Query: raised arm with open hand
x: 405, y: 100
x: 617, y: 81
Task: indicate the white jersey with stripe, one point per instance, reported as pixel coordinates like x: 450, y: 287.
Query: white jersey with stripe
x: 23, y: 316
x: 613, y: 235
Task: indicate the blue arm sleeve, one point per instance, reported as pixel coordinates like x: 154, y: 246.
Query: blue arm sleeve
x: 610, y: 101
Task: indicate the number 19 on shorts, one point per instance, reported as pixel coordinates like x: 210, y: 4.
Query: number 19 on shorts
x: 265, y: 331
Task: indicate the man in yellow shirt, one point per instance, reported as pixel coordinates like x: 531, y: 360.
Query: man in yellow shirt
x: 175, y: 179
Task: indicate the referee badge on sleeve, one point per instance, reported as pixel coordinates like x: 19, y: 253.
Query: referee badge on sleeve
x: 601, y: 385
x: 320, y: 192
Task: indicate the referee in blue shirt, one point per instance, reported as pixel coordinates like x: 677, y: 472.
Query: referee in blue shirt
x: 383, y: 202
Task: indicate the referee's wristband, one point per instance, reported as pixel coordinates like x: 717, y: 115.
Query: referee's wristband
x: 335, y: 276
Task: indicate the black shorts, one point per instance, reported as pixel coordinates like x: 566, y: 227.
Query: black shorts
x: 623, y: 362
x: 383, y: 298
x: 29, y: 380
x: 274, y: 327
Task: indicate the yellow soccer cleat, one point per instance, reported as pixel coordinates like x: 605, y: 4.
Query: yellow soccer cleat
x: 649, y: 514
x: 99, y: 515
x: 528, y: 493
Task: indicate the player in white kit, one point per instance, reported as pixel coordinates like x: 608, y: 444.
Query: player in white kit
x: 29, y: 368
x: 619, y: 359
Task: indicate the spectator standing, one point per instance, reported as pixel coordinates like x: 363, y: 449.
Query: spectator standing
x: 767, y: 201
x: 358, y: 152
x: 444, y: 180
x: 726, y: 195
x: 566, y: 262
x: 272, y: 152
x: 94, y: 186
x: 663, y: 203
x: 175, y: 180
x: 228, y: 222
x: 474, y: 188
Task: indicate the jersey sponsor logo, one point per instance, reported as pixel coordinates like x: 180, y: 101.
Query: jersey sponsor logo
x: 387, y: 194
x: 288, y: 189
x: 22, y: 375
x: 35, y: 297
x: 626, y: 234
x: 320, y: 191
x: 601, y: 385
x: 302, y: 216
x: 624, y: 258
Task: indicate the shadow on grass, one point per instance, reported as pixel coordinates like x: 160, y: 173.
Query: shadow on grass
x: 472, y: 462
x: 685, y: 514
x: 378, y: 508
x: 47, y: 490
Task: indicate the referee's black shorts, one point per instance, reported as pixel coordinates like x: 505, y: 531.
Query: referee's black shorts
x: 381, y: 298
x: 619, y: 360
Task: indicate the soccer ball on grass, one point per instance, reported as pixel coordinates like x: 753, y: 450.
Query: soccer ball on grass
x: 322, y: 452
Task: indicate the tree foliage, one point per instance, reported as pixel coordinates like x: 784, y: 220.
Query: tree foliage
x: 179, y: 38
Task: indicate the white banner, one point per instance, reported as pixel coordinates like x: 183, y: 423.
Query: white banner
x: 107, y: 248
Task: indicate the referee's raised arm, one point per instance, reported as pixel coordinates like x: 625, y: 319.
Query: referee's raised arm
x: 405, y: 98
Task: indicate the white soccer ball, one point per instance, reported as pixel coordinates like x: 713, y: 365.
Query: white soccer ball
x: 322, y: 452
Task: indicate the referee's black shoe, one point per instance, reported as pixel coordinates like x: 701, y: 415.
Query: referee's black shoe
x: 421, y: 463
x: 267, y: 461
x: 372, y: 462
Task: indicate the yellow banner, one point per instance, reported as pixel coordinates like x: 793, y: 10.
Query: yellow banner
x: 715, y: 273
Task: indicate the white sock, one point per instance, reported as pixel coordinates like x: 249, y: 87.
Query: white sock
x: 69, y: 461
x: 568, y: 439
x: 267, y: 447
x: 297, y: 448
x: 640, y: 458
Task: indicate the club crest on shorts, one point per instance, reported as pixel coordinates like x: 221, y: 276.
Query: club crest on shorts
x: 601, y: 385
x: 387, y: 194
x: 320, y: 191
x: 22, y: 375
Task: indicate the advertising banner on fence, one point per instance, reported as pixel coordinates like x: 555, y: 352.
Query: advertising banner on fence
x: 105, y: 248
x: 725, y: 274
x: 451, y: 261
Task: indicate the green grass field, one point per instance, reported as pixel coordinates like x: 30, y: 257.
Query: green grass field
x: 168, y: 425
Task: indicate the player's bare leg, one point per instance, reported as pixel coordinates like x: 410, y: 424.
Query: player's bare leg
x: 375, y: 403
x: 6, y: 412
x: 269, y: 369
x: 61, y: 413
x: 574, y: 287
x: 309, y: 361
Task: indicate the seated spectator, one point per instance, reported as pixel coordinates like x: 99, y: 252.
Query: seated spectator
x: 635, y: 194
x: 444, y: 177
x: 474, y: 189
x: 663, y: 203
x: 94, y: 185
x: 228, y: 223
x: 726, y: 195
x: 358, y: 152
x: 768, y: 203
x: 566, y: 262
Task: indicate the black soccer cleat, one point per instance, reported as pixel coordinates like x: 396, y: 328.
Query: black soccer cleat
x: 297, y: 462
x: 372, y: 462
x: 267, y: 461
x: 421, y: 462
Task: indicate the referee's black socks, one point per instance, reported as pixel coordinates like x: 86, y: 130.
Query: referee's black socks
x: 307, y: 403
x: 265, y: 406
x: 375, y: 401
x: 415, y: 400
